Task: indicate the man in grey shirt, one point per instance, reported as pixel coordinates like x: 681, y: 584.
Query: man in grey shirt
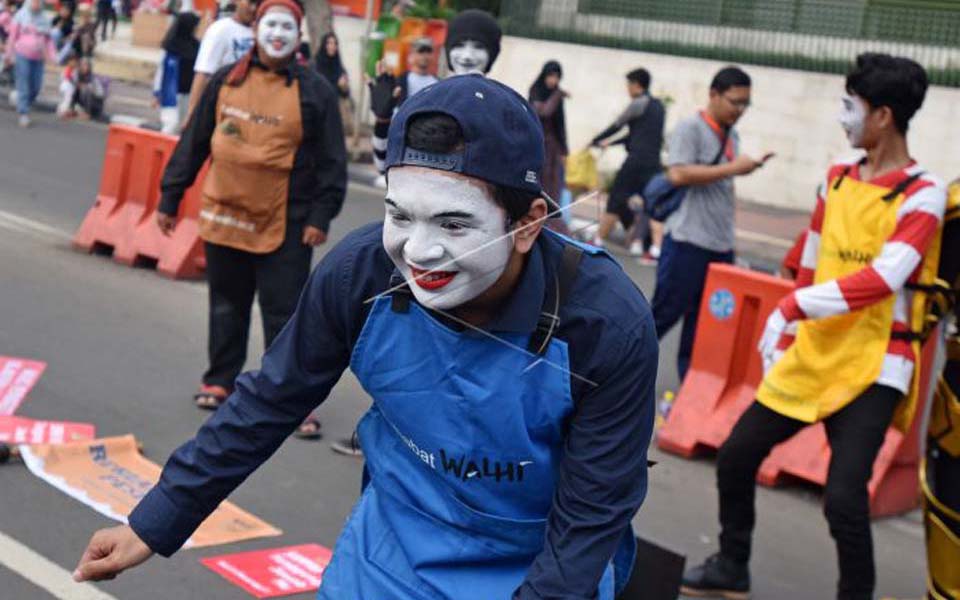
x: 704, y: 157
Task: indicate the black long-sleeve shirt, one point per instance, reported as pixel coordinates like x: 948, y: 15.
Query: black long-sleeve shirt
x: 602, y: 479
x: 318, y: 180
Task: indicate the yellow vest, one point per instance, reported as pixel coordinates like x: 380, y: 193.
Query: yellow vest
x: 835, y: 359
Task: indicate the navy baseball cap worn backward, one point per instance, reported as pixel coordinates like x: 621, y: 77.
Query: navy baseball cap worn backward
x: 502, y: 134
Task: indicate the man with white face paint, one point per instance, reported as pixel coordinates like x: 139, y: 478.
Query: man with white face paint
x: 512, y: 404
x: 277, y: 178
x: 844, y: 347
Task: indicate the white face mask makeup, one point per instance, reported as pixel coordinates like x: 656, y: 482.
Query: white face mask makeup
x: 469, y: 57
x: 278, y: 33
x: 852, y: 118
x: 438, y: 220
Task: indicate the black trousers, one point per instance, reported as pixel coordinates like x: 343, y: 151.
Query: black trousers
x: 681, y: 276
x: 630, y: 180
x: 855, y: 434
x: 234, y: 276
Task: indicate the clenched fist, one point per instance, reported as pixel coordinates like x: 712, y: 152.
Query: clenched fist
x: 109, y: 553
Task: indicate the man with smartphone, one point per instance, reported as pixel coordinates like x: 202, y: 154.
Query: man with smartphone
x: 704, y: 156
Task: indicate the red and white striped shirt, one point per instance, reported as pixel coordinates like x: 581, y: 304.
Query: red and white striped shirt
x: 898, y: 263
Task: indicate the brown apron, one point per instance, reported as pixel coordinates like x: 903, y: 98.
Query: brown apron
x: 258, y: 132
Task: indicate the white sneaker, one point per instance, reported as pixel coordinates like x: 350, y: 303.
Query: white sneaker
x: 655, y: 252
x: 636, y: 248
x: 24, y: 121
x: 597, y: 241
x: 380, y: 182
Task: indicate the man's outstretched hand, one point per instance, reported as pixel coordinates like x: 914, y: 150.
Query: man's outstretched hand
x: 109, y: 553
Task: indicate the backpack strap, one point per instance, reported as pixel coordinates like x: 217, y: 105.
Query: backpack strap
x: 901, y: 187
x: 554, y: 298
x: 846, y: 171
x: 401, y: 295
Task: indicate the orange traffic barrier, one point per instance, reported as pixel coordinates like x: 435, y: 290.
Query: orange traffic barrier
x: 725, y: 367
x: 122, y: 221
x: 721, y: 383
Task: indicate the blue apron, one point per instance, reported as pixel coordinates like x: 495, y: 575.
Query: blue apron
x: 463, y: 446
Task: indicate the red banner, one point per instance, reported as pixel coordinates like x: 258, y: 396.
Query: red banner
x: 273, y: 572
x: 17, y: 377
x: 18, y: 430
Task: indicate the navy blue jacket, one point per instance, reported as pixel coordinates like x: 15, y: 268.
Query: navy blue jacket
x: 607, y: 325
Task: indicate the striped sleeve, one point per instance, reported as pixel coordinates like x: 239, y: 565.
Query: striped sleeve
x: 811, y: 244
x: 379, y: 141
x: 899, y: 258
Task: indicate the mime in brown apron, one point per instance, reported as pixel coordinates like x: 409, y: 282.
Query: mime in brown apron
x: 252, y: 150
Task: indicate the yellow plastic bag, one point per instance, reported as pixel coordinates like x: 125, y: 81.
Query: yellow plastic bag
x: 582, y: 172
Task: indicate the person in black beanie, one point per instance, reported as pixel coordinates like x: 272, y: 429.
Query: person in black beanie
x: 473, y: 42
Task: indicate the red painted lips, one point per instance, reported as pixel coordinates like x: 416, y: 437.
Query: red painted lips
x: 432, y: 280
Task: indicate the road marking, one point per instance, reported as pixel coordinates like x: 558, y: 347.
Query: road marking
x: 14, y: 222
x: 45, y: 574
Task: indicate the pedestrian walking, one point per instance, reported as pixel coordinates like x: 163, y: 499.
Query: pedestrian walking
x: 547, y: 98
x: 512, y: 404
x: 174, y: 75
x: 704, y: 157
x: 106, y: 16
x: 277, y: 179
x: 30, y: 42
x: 644, y: 117
x: 858, y: 310
x: 225, y: 42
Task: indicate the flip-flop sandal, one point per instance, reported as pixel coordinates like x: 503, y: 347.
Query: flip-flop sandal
x: 210, y: 397
x: 309, y: 429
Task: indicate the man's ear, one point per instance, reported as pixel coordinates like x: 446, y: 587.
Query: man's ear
x: 884, y: 117
x: 528, y: 227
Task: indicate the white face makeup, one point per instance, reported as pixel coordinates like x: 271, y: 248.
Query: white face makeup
x: 469, y: 57
x: 853, y: 114
x: 447, y: 224
x: 278, y: 32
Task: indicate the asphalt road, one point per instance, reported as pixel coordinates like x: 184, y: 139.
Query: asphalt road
x: 125, y: 348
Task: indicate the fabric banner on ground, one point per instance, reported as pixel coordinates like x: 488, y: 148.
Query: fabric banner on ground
x: 19, y: 430
x: 273, y: 572
x: 110, y: 476
x: 17, y: 377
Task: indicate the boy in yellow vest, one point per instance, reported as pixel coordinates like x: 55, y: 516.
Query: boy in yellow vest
x: 842, y: 348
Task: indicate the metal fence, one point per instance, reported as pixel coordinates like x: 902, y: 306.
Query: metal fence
x: 813, y: 35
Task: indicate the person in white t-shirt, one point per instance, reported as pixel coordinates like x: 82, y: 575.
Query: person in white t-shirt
x: 224, y: 43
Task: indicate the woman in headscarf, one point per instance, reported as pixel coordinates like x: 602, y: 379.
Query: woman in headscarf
x: 29, y: 42
x: 546, y: 97
x: 171, y: 85
x: 330, y: 65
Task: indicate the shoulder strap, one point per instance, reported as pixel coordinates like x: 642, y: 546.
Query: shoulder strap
x: 901, y: 187
x: 554, y: 298
x: 846, y: 171
x: 400, y: 298
x: 723, y: 147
